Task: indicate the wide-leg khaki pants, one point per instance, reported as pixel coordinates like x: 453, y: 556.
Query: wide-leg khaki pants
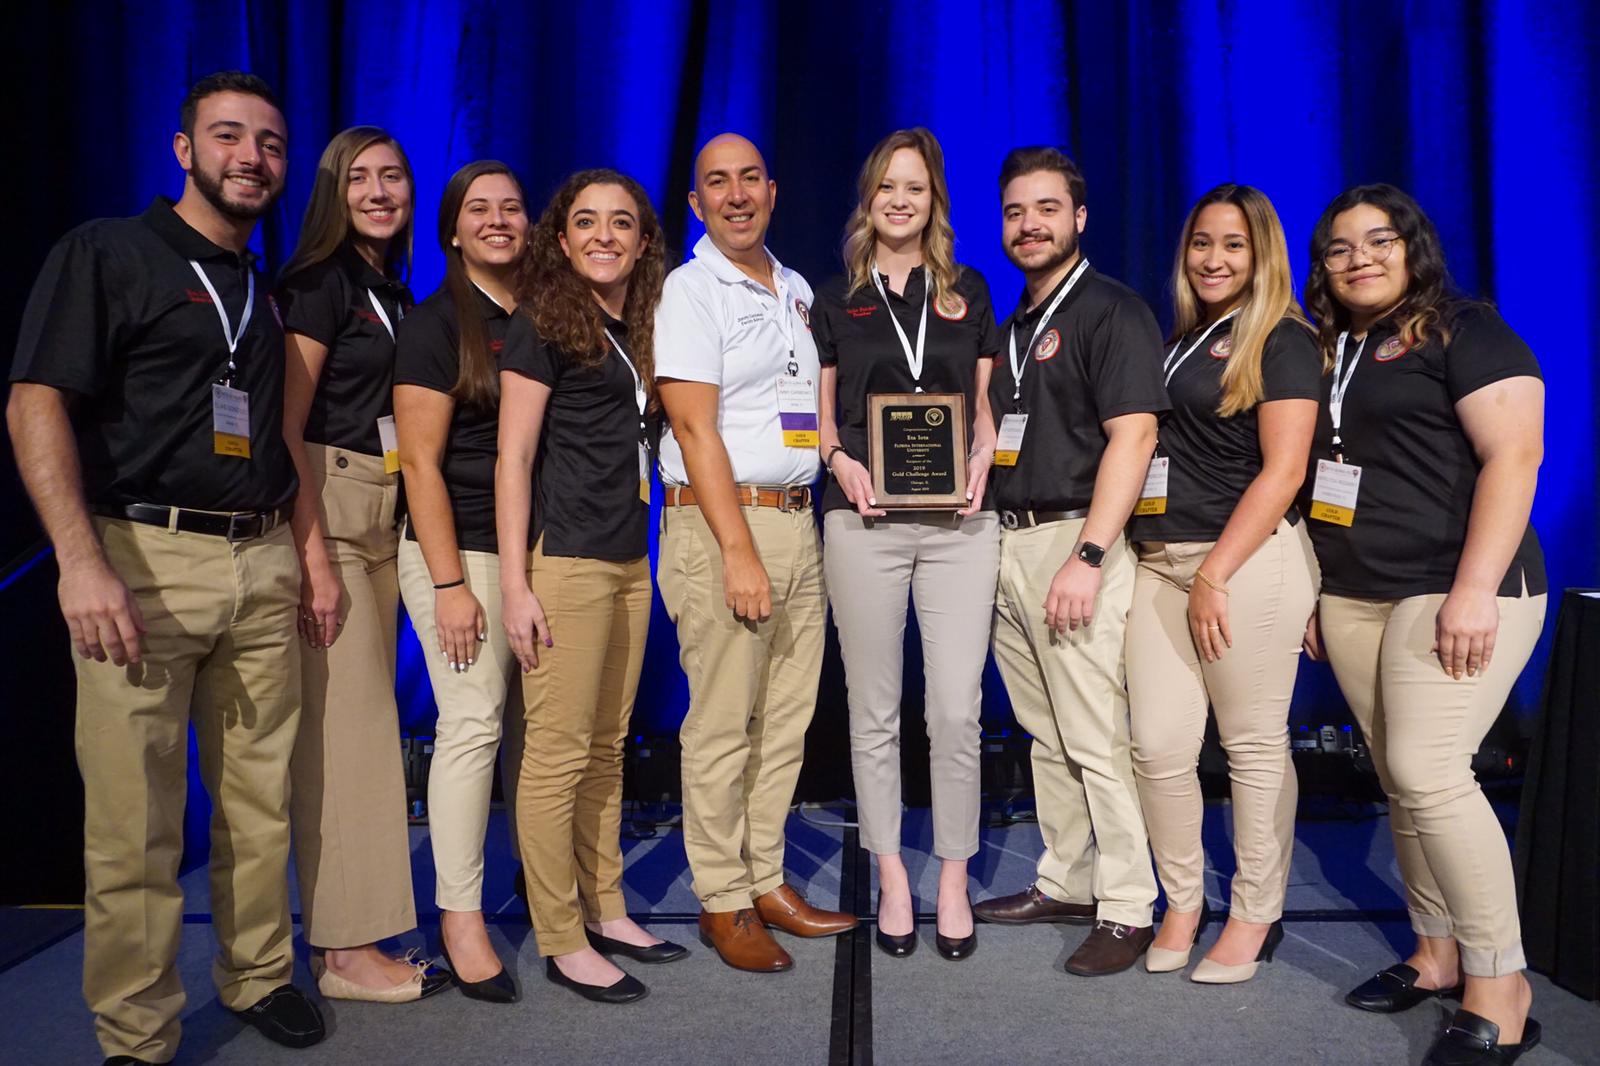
x: 352, y: 850
x: 579, y: 700
x: 948, y: 566
x: 480, y: 714
x: 752, y: 692
x: 1423, y: 728
x: 219, y: 652
x: 1068, y: 692
x: 1249, y: 688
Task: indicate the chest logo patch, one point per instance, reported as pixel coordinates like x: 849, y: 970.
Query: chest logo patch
x: 950, y: 307
x: 803, y: 311
x: 861, y: 312
x: 1048, y: 346
x: 1223, y: 347
x: 1390, y: 350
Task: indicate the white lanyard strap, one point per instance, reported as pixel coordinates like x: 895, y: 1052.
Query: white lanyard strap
x: 638, y: 382
x: 1019, y: 365
x: 914, y: 356
x: 229, y: 334
x: 1341, y: 382
x: 383, y: 316
x: 785, y: 312
x: 1171, y: 367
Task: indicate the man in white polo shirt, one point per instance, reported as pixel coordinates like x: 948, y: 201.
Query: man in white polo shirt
x: 741, y: 568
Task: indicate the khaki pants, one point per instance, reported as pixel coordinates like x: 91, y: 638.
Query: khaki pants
x: 1169, y: 687
x: 352, y: 850
x: 579, y: 699
x: 1068, y: 693
x: 948, y: 565
x: 752, y: 692
x: 1423, y: 728
x: 475, y: 707
x: 219, y: 652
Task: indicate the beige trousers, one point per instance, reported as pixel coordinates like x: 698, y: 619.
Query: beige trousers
x: 579, y: 699
x: 219, y: 652
x: 1068, y: 693
x: 752, y: 692
x: 948, y: 565
x: 1169, y: 687
x: 348, y: 800
x: 480, y: 713
x: 1423, y: 728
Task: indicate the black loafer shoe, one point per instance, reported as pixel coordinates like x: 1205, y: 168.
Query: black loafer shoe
x: 627, y: 990
x: 1471, y: 1041
x: 953, y: 948
x: 286, y: 1016
x: 666, y: 951
x: 1394, y: 990
x: 896, y: 947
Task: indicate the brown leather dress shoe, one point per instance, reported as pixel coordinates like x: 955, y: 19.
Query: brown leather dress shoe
x: 742, y: 941
x: 784, y: 908
x: 1031, y: 905
x: 1111, y: 948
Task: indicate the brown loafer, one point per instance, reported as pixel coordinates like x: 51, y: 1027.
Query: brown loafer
x: 1031, y: 905
x: 1111, y: 948
x: 784, y: 908
x: 742, y: 942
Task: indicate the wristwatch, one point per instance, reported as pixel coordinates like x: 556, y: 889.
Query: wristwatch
x: 1092, y: 554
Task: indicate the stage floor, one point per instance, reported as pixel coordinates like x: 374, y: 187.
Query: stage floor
x: 1010, y: 1003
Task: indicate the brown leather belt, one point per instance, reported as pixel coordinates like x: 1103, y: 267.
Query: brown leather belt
x: 235, y: 526
x: 783, y: 497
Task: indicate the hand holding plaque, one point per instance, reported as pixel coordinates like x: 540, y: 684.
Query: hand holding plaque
x: 918, y: 450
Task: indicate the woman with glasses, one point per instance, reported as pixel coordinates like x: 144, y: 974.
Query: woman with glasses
x: 1226, y: 578
x: 1433, y: 588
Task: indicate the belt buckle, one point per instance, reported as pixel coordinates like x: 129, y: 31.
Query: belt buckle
x: 1008, y: 520
x: 236, y: 520
x: 795, y: 498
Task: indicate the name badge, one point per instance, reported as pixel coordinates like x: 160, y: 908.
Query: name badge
x: 390, y: 440
x: 230, y: 421
x: 1153, y: 497
x: 1333, y: 495
x: 644, y: 473
x: 797, y: 412
x: 1008, y: 442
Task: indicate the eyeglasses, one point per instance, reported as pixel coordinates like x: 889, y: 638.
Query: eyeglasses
x: 1377, y: 247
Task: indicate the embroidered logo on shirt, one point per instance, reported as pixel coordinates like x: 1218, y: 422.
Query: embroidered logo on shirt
x: 1390, y: 350
x: 950, y: 307
x: 1223, y: 348
x: 196, y: 296
x: 861, y: 312
x: 1048, y: 346
x: 368, y: 316
x: 803, y: 311
x: 495, y: 346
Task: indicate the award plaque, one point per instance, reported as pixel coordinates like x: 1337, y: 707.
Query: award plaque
x: 918, y: 446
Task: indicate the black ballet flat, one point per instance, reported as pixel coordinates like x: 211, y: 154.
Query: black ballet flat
x: 666, y: 951
x: 501, y: 988
x: 1471, y: 1040
x: 1394, y: 990
x: 626, y: 990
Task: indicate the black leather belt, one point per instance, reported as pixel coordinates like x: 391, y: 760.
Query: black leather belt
x: 1027, y: 519
x: 235, y: 525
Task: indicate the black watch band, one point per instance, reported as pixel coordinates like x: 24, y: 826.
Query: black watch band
x: 1092, y: 554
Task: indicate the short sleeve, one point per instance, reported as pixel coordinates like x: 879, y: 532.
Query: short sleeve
x: 526, y: 353
x: 1482, y: 351
x: 822, y: 326
x: 688, y: 337
x: 69, y: 327
x: 1125, y: 362
x: 315, y: 301
x: 426, y: 352
x: 1291, y: 365
x: 990, y: 341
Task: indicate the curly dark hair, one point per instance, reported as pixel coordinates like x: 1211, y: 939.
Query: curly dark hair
x: 1431, y: 298
x: 559, y: 301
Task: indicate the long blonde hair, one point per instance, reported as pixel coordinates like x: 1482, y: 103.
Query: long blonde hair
x: 1268, y: 300
x: 938, y: 237
x: 327, y: 221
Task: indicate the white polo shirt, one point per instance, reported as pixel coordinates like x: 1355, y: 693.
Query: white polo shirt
x: 718, y: 326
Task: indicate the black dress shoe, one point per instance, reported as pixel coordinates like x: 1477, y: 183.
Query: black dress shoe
x: 1472, y: 1041
x: 1394, y: 990
x: 285, y: 1016
x: 957, y: 948
x: 1031, y: 905
x: 626, y: 990
x: 896, y: 946
x: 497, y: 989
x: 666, y: 951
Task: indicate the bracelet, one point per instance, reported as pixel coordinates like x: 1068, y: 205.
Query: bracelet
x: 1219, y: 588
x: 450, y: 584
x: 828, y: 461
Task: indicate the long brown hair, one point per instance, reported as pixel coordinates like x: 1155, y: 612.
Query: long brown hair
x: 327, y: 220
x: 478, y: 379
x: 938, y: 237
x: 562, y: 305
x: 1268, y: 300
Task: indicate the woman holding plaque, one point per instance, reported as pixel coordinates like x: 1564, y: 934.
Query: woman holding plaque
x: 907, y: 319
x: 1226, y: 577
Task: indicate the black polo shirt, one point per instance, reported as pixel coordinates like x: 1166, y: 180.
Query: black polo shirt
x: 331, y: 302
x: 853, y: 333
x: 1418, y: 469
x: 119, y: 317
x: 1212, y: 460
x: 428, y: 353
x: 586, y: 474
x: 1099, y: 357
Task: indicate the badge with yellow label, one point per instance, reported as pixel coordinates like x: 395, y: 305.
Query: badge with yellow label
x: 1008, y: 442
x: 797, y: 412
x: 1153, y: 497
x: 230, y: 421
x: 389, y: 439
x: 1333, y: 495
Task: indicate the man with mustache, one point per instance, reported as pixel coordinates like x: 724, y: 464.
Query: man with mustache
x: 1078, y: 399
x: 146, y: 413
x: 741, y: 567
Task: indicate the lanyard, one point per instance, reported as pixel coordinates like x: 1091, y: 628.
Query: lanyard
x: 228, y: 332
x: 638, y: 382
x: 1019, y: 365
x: 913, y: 356
x: 1172, y: 367
x: 785, y: 312
x: 1341, y: 384
x: 491, y: 299
x: 383, y: 315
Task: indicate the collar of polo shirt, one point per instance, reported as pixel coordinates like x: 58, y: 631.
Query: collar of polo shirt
x: 189, y: 242
x: 707, y: 252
